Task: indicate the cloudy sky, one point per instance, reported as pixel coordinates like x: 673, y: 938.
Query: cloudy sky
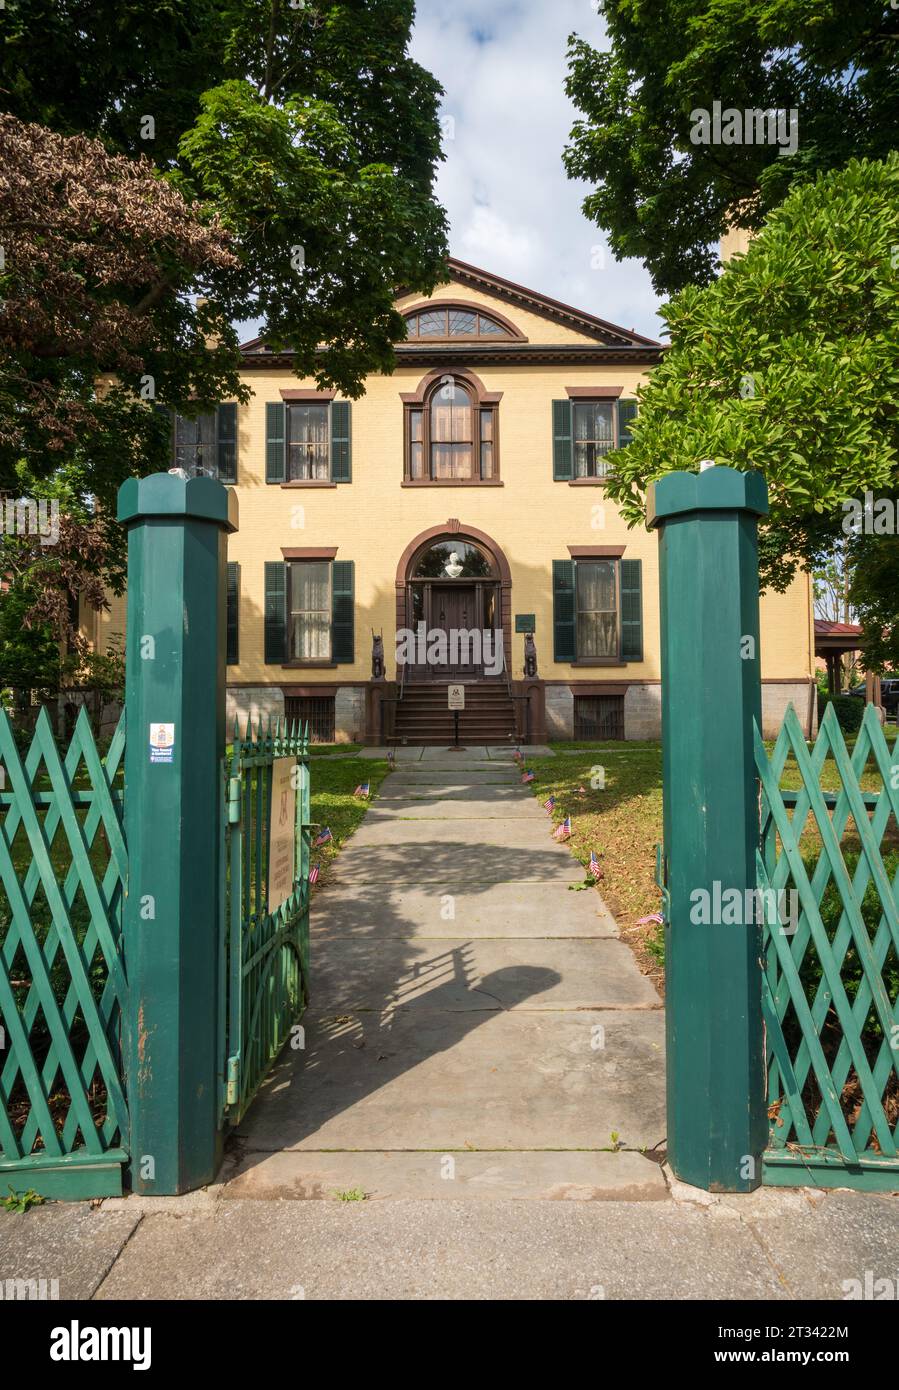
x: 506, y: 120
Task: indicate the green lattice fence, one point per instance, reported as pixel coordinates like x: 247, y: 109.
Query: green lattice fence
x: 829, y: 835
x: 63, y: 868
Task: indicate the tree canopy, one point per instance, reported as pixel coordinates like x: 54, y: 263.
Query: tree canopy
x: 788, y: 363
x: 666, y: 200
x: 302, y: 141
x: 170, y: 171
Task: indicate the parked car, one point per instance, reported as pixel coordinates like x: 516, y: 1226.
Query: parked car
x: 889, y: 694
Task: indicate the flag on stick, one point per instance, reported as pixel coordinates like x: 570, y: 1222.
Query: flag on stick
x: 529, y: 777
x: 363, y: 789
x: 563, y: 830
x: 314, y: 873
x: 594, y: 867
x: 549, y: 805
x: 323, y: 839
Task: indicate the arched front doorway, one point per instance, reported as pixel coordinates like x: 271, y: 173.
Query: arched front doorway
x: 455, y: 579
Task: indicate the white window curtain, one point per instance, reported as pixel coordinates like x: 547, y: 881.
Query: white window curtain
x: 310, y: 610
x: 597, y: 613
x: 594, y: 436
x: 307, y: 443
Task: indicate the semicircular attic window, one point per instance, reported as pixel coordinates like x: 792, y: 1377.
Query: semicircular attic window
x: 454, y: 321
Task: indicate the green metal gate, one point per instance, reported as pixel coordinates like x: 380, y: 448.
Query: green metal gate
x: 832, y: 966
x: 63, y: 871
x: 266, y: 952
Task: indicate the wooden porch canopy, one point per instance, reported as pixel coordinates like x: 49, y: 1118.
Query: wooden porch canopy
x: 832, y: 642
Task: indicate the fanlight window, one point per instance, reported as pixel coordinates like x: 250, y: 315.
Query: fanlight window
x: 452, y: 559
x: 454, y: 323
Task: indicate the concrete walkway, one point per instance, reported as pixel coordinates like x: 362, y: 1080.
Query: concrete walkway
x: 477, y: 1028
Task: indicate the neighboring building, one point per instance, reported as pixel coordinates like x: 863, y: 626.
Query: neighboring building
x: 834, y: 643
x: 487, y: 443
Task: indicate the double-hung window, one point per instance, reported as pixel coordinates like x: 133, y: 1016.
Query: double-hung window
x: 308, y: 443
x: 309, y: 610
x: 205, y: 446
x: 584, y: 430
x: 597, y: 610
x: 596, y: 592
x: 594, y: 436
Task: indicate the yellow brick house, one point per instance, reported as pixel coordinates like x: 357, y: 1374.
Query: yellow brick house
x: 464, y: 494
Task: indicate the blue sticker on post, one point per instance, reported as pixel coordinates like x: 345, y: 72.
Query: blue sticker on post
x: 162, y: 743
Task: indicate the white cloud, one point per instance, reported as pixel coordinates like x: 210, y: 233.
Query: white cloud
x: 512, y: 209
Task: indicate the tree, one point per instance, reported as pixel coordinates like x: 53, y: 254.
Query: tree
x: 98, y: 255
x: 665, y: 199
x: 293, y: 150
x: 304, y: 127
x: 874, y: 593
x: 788, y: 363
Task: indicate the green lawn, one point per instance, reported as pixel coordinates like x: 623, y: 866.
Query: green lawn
x: 333, y: 803
x: 623, y: 823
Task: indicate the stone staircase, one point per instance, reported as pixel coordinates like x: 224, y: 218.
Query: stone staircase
x: 422, y: 716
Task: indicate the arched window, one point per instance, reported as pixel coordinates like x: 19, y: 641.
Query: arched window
x: 454, y: 321
x: 451, y: 436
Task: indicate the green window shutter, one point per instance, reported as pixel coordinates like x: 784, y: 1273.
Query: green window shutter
x: 631, y: 610
x: 341, y: 442
x: 275, y: 441
x: 231, y: 629
x: 563, y: 450
x: 275, y: 611
x: 564, y: 616
x: 342, y: 606
x: 627, y: 411
x: 226, y: 442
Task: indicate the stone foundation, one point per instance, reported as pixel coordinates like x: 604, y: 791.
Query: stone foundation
x: 254, y: 702
x: 559, y: 712
x: 349, y: 714
x: 643, y: 712
x: 776, y: 696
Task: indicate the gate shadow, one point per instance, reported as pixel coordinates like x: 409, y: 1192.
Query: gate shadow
x: 386, y: 999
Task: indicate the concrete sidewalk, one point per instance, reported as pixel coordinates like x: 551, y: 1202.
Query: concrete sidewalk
x: 771, y: 1245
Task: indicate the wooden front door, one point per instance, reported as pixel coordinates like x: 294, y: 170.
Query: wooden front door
x: 454, y: 607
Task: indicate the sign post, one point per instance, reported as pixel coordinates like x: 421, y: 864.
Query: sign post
x: 455, y: 698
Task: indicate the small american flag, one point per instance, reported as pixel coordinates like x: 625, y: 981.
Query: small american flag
x: 594, y: 867
x: 363, y: 789
x: 563, y: 831
x: 314, y: 873
x: 518, y: 756
x: 582, y: 791
x: 653, y: 917
x: 549, y: 805
x: 528, y: 776
x: 324, y: 838
x: 391, y: 758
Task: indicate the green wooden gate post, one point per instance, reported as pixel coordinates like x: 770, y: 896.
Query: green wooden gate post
x: 711, y: 691
x: 175, y: 718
